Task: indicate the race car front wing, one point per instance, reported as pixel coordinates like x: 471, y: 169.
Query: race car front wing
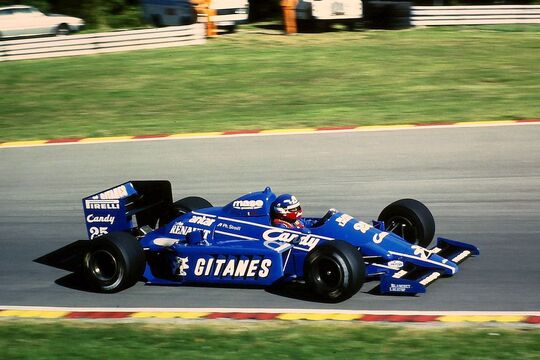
x: 413, y: 279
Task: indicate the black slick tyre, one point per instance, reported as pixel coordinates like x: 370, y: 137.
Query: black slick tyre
x: 334, y: 271
x: 183, y: 206
x: 191, y: 203
x: 113, y: 262
x: 411, y: 220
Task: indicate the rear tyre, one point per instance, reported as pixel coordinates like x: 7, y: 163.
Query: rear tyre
x: 334, y: 271
x: 156, y: 20
x: 114, y: 262
x: 189, y: 19
x: 322, y: 26
x: 194, y: 16
x: 301, y: 25
x: 182, y: 206
x: 229, y: 29
x: 411, y: 220
x: 63, y: 29
x: 191, y: 203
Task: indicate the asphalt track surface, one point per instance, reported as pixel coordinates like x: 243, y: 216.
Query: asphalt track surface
x: 481, y: 183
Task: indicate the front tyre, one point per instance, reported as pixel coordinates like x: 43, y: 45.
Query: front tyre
x: 411, y: 220
x: 113, y: 262
x: 334, y: 271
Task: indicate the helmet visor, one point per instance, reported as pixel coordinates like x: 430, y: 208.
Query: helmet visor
x: 294, y: 213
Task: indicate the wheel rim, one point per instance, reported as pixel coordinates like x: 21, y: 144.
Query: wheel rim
x: 328, y: 273
x: 103, y: 266
x: 403, y: 227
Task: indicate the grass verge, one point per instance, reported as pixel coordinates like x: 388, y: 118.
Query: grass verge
x: 86, y: 340
x: 258, y: 78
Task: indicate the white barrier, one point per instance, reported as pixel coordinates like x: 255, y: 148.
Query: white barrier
x: 48, y: 47
x: 475, y: 15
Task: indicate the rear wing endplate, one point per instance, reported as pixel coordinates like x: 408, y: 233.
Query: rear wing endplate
x: 127, y: 206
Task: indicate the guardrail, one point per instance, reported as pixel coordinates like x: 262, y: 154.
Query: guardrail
x: 475, y: 15
x: 48, y: 47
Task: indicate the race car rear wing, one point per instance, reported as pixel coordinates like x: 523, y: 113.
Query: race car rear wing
x: 414, y: 280
x: 130, y: 205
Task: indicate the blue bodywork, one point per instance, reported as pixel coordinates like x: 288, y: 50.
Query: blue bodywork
x: 236, y: 243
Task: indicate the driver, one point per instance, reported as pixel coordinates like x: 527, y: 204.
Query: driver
x: 287, y: 213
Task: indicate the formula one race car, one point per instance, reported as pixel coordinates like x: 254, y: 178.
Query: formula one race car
x: 137, y: 232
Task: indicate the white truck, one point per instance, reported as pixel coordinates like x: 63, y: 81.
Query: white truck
x: 321, y: 13
x: 182, y: 12
x: 230, y: 12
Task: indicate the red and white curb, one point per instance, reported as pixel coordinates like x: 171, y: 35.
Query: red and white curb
x: 258, y: 132
x: 21, y: 312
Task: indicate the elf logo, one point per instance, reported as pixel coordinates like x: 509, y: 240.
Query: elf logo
x: 115, y: 193
x: 233, y: 267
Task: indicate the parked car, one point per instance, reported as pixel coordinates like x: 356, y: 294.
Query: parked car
x: 20, y: 20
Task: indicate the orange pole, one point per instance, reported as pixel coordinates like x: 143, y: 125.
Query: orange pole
x: 203, y: 7
x: 289, y: 15
x: 211, y: 28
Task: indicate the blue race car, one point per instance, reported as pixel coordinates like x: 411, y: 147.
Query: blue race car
x: 137, y: 232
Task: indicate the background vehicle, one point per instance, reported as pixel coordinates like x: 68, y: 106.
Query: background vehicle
x: 136, y: 232
x: 182, y: 12
x: 19, y: 20
x: 168, y: 12
x: 231, y: 13
x: 321, y: 13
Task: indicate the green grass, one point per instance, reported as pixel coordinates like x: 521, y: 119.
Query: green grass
x: 259, y: 78
x: 241, y: 340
